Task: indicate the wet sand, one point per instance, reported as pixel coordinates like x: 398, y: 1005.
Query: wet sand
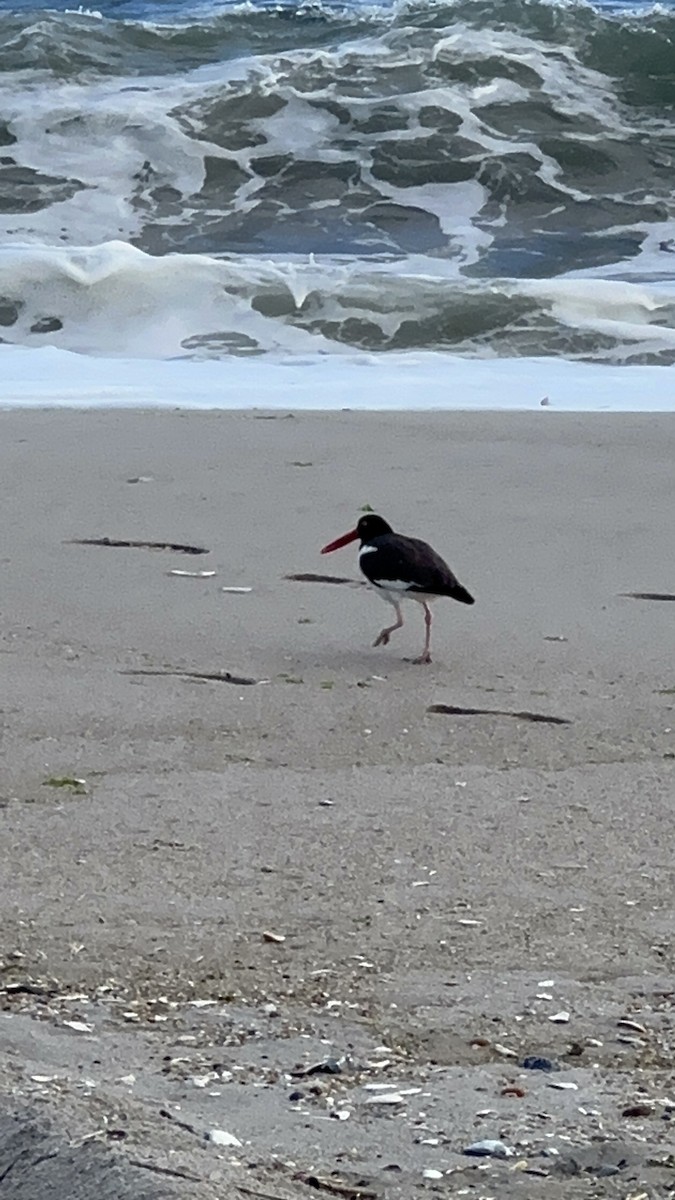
x: 445, y: 884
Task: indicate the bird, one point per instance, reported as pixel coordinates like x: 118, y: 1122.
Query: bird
x: 401, y: 567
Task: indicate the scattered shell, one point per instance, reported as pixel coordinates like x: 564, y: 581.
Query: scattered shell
x: 192, y: 574
x: 467, y: 921
x: 627, y: 1023
x: 236, y: 591
x: 560, y: 1018
x: 326, y: 803
x: 385, y: 1098
x: 513, y: 1090
x: 390, y: 1088
x: 627, y: 1040
x: 431, y: 1173
x: 201, y: 1003
x: 268, y: 936
x: 220, y: 1137
x: 43, y: 1078
x: 489, y: 1149
x: 563, y: 1085
x: 327, y: 1066
x: 79, y: 1026
x: 546, y: 983
x: 505, y: 1051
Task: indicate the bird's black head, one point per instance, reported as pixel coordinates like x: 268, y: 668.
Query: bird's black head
x: 370, y: 527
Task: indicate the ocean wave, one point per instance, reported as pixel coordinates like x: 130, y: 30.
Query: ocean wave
x: 453, y: 170
x: 113, y: 300
x: 500, y: 138
x: 632, y: 45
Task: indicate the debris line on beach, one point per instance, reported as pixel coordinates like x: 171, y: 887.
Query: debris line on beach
x: 648, y: 595
x: 455, y: 710
x: 122, y: 543
x: 215, y: 676
x: 310, y: 577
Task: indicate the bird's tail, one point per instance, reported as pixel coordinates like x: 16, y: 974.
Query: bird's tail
x: 457, y: 592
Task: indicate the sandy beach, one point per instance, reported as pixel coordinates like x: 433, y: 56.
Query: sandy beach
x: 211, y: 885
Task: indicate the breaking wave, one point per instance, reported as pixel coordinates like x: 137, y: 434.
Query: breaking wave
x: 490, y: 178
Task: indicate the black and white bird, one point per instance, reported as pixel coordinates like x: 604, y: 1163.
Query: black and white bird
x: 401, y: 567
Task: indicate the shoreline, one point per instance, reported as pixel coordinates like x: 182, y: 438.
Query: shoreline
x: 361, y: 382
x: 444, y: 884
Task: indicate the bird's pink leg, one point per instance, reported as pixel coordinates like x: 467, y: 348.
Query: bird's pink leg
x: 425, y: 656
x: 382, y: 638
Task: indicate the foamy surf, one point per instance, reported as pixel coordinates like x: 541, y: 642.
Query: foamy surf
x: 260, y: 197
x: 52, y: 378
x: 114, y: 300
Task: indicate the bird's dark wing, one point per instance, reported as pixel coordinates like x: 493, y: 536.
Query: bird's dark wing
x: 411, y: 561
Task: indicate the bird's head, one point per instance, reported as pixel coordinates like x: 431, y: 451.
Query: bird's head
x: 367, y: 528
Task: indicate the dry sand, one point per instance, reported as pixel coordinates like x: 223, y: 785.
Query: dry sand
x: 445, y: 884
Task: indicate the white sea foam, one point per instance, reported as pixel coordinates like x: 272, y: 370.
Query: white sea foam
x: 114, y: 300
x: 396, y: 382
x: 414, y: 181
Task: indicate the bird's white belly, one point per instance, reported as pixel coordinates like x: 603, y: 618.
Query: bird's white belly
x: 395, y: 590
x: 392, y: 590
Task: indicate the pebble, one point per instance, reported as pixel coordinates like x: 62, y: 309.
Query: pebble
x: 534, y: 1063
x: 560, y: 1018
x: 489, y: 1149
x: 638, y: 1110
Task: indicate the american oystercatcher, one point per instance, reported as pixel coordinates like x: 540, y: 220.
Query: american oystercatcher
x: 397, y: 566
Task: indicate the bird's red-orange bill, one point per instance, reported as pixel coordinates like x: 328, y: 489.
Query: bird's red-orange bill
x: 340, y: 542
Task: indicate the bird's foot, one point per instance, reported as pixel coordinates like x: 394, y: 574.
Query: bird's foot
x: 423, y: 658
x: 382, y: 638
